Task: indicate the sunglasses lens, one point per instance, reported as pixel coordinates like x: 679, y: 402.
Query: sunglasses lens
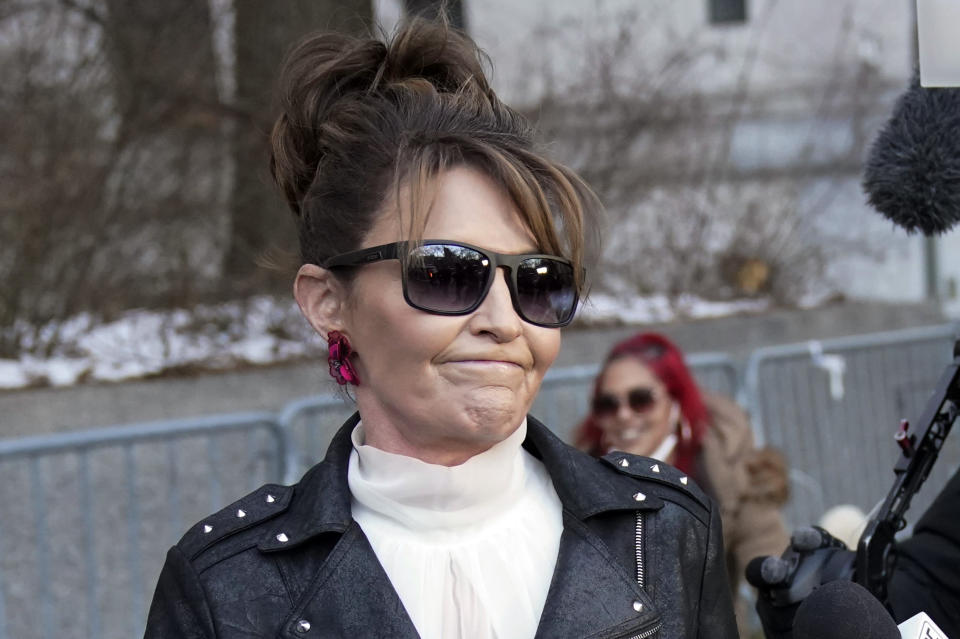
x: 449, y: 278
x: 446, y: 278
x: 546, y: 292
x: 641, y: 399
x: 605, y: 405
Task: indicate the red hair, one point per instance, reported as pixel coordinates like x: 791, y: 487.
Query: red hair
x: 662, y: 357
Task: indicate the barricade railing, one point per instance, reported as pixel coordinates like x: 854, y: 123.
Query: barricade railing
x: 562, y: 402
x: 88, y: 515
x: 832, y: 407
x: 309, y: 424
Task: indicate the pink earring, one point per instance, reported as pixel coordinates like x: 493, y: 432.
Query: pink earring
x: 340, y: 367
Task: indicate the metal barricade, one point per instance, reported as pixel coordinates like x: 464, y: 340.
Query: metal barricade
x: 87, y: 517
x: 715, y: 372
x: 832, y: 408
x: 309, y: 424
x: 562, y: 402
x: 564, y: 397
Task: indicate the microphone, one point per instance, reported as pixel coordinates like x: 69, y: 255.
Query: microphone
x: 840, y: 610
x: 912, y: 174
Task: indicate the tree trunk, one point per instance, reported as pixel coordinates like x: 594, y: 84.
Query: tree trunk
x: 165, y: 164
x: 265, y: 31
x: 161, y: 54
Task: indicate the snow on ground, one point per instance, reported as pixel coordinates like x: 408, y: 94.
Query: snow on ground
x: 259, y: 331
x: 140, y: 343
x: 601, y: 307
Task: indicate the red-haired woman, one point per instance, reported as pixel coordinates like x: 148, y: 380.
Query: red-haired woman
x: 646, y: 402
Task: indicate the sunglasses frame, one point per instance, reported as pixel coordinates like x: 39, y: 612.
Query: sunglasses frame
x: 510, y: 262
x: 654, y: 396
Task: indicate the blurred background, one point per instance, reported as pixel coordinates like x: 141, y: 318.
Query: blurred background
x: 726, y: 138
x: 145, y: 260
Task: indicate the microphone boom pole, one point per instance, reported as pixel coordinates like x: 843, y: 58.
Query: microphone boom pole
x: 875, y: 557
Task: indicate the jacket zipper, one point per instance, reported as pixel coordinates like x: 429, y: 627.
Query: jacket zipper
x: 648, y: 633
x: 638, y: 539
x: 639, y: 548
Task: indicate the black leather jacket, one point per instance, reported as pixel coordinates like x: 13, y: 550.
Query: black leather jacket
x: 640, y: 556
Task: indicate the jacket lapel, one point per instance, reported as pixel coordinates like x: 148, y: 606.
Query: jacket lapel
x: 590, y: 596
x: 351, y: 596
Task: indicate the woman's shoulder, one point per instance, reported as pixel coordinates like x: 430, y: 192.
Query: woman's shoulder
x: 228, y: 566
x: 729, y: 424
x: 736, y: 468
x: 659, y: 483
x: 242, y: 524
x: 618, y: 481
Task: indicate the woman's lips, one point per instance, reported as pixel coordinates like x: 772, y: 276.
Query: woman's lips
x: 492, y: 370
x: 487, y: 366
x: 628, y: 434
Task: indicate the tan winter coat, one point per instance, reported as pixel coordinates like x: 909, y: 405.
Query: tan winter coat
x: 750, y: 485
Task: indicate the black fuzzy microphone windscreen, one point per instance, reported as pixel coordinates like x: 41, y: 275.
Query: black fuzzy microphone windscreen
x: 843, y: 610
x: 912, y: 174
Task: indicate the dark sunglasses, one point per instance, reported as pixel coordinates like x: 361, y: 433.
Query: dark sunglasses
x: 638, y: 399
x: 453, y: 278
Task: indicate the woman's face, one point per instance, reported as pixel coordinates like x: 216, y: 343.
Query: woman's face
x: 626, y: 428
x: 444, y: 388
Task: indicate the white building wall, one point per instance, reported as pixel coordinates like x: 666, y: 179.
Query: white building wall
x: 786, y: 45
x: 797, y: 42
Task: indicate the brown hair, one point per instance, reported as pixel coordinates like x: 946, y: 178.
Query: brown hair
x: 363, y: 117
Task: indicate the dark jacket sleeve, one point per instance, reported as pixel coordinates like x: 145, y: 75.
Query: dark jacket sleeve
x: 927, y: 577
x: 179, y: 609
x: 717, y: 620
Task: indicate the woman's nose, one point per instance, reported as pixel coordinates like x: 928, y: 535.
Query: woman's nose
x: 496, y: 314
x: 624, y: 412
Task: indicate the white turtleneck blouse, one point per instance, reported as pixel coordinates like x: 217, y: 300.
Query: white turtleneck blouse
x: 470, y: 549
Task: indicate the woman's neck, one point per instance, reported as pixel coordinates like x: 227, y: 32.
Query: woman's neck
x: 422, y: 495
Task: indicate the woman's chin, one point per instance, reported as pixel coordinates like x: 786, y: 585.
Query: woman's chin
x: 492, y: 400
x: 493, y: 419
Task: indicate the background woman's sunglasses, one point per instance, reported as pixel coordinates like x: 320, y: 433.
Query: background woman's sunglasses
x: 638, y: 399
x: 453, y: 278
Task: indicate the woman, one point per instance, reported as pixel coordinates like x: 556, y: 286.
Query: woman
x: 441, y: 255
x: 646, y: 402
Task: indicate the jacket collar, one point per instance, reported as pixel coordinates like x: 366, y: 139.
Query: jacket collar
x: 322, y: 503
x: 586, y: 486
x: 321, y: 500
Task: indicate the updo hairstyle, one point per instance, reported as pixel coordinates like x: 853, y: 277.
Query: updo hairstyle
x: 362, y: 118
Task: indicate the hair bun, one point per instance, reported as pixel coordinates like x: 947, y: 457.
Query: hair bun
x: 331, y: 73
x: 436, y: 53
x: 317, y: 74
x: 361, y: 118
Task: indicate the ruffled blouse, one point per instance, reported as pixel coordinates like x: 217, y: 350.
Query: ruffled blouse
x: 470, y: 549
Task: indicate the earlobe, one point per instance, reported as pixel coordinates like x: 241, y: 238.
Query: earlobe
x: 320, y: 297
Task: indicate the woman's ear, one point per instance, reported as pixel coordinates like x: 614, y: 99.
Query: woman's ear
x: 321, y: 297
